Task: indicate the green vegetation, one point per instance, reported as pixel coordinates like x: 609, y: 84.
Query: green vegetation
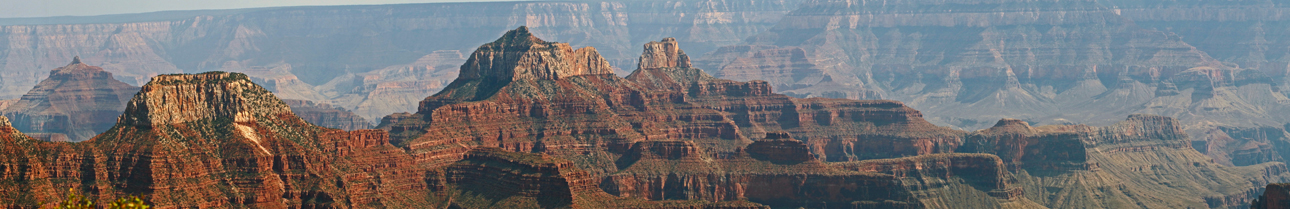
x: 75, y: 200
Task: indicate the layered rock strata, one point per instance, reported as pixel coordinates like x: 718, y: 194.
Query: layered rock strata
x: 524, y: 94
x: 218, y: 140
x: 75, y: 103
x: 670, y: 132
x: 967, y: 63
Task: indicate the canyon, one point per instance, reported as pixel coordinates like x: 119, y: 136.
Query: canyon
x: 521, y: 122
x: 1219, y: 68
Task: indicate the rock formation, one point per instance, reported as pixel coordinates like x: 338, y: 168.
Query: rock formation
x: 327, y: 116
x: 531, y: 123
x: 669, y: 131
x: 396, y: 65
x: 216, y: 140
x: 75, y: 103
x: 1212, y: 66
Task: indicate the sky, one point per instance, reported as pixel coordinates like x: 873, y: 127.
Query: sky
x: 48, y: 8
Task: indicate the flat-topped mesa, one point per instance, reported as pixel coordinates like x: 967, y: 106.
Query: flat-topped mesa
x: 518, y: 55
x: 664, y: 54
x: 182, y: 98
x: 1144, y: 127
x: 1010, y: 125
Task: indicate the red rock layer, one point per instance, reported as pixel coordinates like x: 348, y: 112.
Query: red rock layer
x: 681, y: 134
x: 982, y: 169
x: 677, y: 170
x: 503, y: 103
x: 327, y: 116
x: 33, y: 171
x: 77, y: 101
x: 218, y: 140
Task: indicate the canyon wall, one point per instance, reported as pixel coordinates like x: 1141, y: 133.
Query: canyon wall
x: 968, y: 63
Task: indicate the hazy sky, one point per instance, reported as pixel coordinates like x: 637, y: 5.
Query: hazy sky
x: 46, y: 8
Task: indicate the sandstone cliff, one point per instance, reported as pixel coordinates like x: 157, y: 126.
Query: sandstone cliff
x: 75, y: 103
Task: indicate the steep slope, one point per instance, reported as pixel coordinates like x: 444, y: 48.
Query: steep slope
x: 372, y: 59
x: 76, y: 102
x: 1143, y: 161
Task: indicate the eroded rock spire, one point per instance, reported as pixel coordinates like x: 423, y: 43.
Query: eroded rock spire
x: 663, y: 54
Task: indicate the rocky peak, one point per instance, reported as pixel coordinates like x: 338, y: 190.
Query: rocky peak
x: 76, y: 102
x: 663, y: 54
x: 181, y: 98
x: 79, y: 70
x: 518, y: 55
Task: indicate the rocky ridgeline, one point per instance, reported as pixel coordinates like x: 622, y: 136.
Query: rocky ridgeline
x: 75, y: 103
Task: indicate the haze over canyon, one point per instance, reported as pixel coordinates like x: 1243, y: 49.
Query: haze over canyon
x: 655, y: 104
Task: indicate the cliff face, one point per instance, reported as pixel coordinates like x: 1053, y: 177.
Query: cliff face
x: 374, y: 60
x: 75, y: 103
x: 183, y: 137
x: 1273, y: 197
